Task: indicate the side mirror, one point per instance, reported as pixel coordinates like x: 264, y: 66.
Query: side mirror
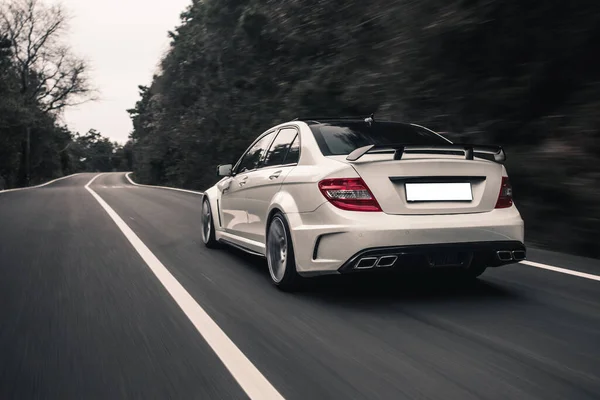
x: 224, y: 170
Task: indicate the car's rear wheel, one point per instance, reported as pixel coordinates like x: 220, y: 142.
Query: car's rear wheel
x: 280, y: 254
x: 208, y: 226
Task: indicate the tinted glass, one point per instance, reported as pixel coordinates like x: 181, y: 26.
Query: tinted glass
x: 253, y: 156
x: 341, y: 138
x: 279, y: 147
x: 293, y: 154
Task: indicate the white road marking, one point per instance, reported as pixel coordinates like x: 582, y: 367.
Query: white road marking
x: 562, y: 270
x: 241, y: 368
x: 39, y: 186
x: 160, y: 187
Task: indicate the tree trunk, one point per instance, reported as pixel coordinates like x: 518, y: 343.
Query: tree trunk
x: 28, y: 156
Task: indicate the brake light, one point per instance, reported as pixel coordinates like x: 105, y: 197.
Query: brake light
x: 505, y: 198
x: 349, y: 194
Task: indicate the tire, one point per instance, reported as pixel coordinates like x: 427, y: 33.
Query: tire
x: 208, y: 226
x: 280, y: 255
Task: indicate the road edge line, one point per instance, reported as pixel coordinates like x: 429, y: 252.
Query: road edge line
x: 241, y: 368
x: 160, y: 187
x: 562, y: 270
x: 40, y: 185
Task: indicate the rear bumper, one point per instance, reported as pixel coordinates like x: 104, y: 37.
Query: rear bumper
x: 419, y: 257
x: 326, y: 239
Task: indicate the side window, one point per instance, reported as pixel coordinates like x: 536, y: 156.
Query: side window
x: 293, y: 154
x: 252, y: 158
x: 279, y: 147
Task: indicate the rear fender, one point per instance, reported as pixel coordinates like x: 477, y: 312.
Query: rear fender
x: 284, y: 202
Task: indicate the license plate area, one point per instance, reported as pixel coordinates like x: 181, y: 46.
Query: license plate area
x: 454, y: 191
x: 447, y: 259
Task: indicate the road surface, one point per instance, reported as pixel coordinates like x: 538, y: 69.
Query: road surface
x: 87, y: 312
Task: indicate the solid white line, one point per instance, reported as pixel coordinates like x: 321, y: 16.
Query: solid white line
x: 562, y: 270
x: 245, y: 373
x: 38, y: 186
x: 160, y: 187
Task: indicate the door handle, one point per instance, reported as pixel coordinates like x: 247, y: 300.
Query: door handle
x: 275, y: 175
x: 243, y: 181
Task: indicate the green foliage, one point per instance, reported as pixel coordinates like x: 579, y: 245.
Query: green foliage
x: 524, y: 74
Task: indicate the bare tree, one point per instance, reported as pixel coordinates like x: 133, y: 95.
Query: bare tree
x: 51, y: 76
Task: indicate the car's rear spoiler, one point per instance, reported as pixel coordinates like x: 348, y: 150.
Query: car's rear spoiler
x: 492, y: 153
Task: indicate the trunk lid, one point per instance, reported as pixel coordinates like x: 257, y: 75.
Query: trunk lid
x: 430, y: 184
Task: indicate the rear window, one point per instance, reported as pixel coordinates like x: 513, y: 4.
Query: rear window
x: 341, y: 138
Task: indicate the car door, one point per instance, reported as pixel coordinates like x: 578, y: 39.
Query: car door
x: 233, y: 207
x: 265, y: 182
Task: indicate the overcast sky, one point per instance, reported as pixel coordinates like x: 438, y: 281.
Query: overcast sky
x: 123, y: 41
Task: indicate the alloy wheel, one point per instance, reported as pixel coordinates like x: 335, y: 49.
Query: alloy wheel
x: 277, y: 249
x: 206, y: 222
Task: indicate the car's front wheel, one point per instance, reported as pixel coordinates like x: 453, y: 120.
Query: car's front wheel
x: 208, y: 226
x: 280, y: 254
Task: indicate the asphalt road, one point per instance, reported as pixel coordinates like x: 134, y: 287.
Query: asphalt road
x: 83, y: 316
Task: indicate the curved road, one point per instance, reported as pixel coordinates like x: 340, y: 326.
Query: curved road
x: 84, y: 316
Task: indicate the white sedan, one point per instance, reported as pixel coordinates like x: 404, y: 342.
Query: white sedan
x: 334, y: 196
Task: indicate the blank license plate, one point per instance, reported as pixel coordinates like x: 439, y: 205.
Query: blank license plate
x: 439, y: 191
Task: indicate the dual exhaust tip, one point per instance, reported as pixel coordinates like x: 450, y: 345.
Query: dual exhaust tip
x: 507, y: 255
x: 372, y: 262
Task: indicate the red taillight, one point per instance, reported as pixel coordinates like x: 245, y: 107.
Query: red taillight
x: 349, y: 194
x: 505, y: 198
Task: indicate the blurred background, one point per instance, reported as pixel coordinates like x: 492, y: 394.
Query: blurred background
x: 523, y: 74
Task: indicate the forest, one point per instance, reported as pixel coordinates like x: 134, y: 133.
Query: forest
x: 523, y: 74
x: 40, y: 77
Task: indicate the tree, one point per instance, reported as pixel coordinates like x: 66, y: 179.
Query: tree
x: 51, y: 77
x: 95, y: 153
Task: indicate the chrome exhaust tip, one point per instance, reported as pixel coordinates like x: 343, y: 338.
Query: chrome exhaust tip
x: 387, y: 261
x: 504, y: 255
x: 518, y: 255
x: 366, y: 263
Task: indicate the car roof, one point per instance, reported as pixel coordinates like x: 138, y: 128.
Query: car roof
x: 352, y: 122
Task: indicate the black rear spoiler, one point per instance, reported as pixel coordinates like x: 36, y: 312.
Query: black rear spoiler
x: 492, y: 153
